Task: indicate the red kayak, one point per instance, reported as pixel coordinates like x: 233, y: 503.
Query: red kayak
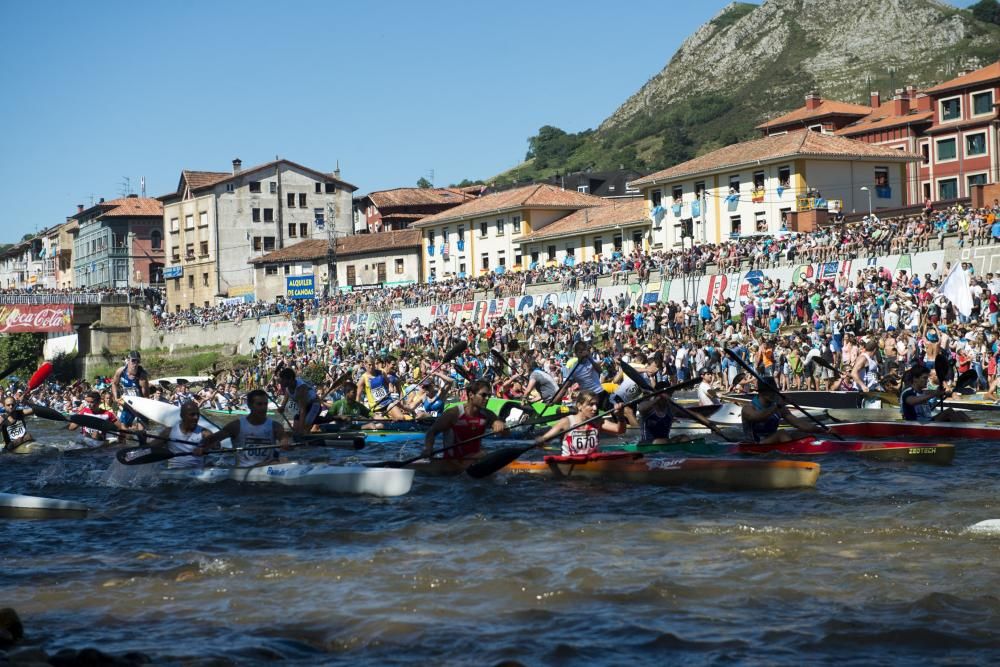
x: 882, y: 451
x: 946, y: 430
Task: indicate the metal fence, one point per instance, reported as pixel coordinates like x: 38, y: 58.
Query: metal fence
x: 75, y: 298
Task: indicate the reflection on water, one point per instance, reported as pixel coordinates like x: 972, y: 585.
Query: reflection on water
x: 873, y: 566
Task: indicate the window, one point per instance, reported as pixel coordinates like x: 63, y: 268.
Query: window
x: 400, y: 267
x: 500, y: 227
x: 760, y: 221
x: 319, y: 188
x: 268, y: 243
x: 331, y: 188
x: 927, y: 191
x: 206, y: 303
x: 534, y: 257
x: 203, y: 248
x: 352, y: 278
x: 175, y: 253
x: 302, y: 200
x: 677, y: 193
x: 203, y: 218
x: 598, y: 246
x: 552, y: 252
x: 482, y: 229
x: 177, y: 286
x: 881, y: 177
x: 735, y: 225
x: 257, y: 244
x: 254, y: 186
x: 656, y: 197
x: 174, y: 225
x: 156, y: 239
x: 946, y: 149
x: 188, y: 222
x: 461, y: 268
x: 319, y: 217
x: 785, y: 176
x: 758, y: 180
x: 951, y: 109
x: 189, y: 251
x: 380, y: 271
x: 191, y: 281
x: 292, y: 229
x: 287, y: 268
x: 515, y: 222
x: 734, y: 185
x: 948, y: 188
x: 272, y: 187
x: 982, y: 103
x: 303, y: 229
x: 270, y: 270
x: 485, y: 261
x: 461, y: 233
x: 290, y: 198
x: 585, y: 189
x: 431, y: 235
x: 517, y: 258
x: 268, y: 215
x: 255, y: 214
x: 925, y: 150
x: 784, y: 217
x: 637, y: 239
x: 204, y: 279
x: 975, y: 144
x: 501, y: 258
x: 975, y: 179
x: 230, y: 187
x: 699, y: 189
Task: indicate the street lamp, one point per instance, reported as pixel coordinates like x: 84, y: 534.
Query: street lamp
x: 864, y: 188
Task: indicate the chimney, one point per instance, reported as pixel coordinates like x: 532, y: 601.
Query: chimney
x: 900, y: 105
x: 923, y: 102
x: 79, y: 208
x: 813, y: 101
x: 876, y: 99
x: 911, y: 92
x: 336, y: 172
x: 133, y: 196
x: 237, y: 164
x: 101, y: 201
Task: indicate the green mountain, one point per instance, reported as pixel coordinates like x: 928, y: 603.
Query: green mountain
x: 754, y: 62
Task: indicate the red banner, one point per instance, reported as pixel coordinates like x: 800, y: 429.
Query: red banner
x: 36, y: 319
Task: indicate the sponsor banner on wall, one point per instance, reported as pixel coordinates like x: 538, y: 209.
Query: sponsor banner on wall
x: 36, y: 319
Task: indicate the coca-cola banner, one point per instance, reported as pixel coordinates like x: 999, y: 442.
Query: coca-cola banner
x: 36, y: 319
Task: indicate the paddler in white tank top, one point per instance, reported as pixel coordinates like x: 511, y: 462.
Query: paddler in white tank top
x: 257, y: 433
x: 583, y: 439
x: 185, y: 437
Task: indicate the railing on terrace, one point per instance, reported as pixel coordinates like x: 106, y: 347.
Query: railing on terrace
x: 74, y: 298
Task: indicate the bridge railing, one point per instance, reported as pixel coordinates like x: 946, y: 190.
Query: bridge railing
x: 75, y: 298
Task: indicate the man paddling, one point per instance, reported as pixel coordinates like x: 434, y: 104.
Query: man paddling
x: 763, y: 415
x: 467, y: 422
x: 304, y: 395
x: 92, y: 437
x: 12, y: 425
x: 915, y: 400
x: 185, y: 437
x: 257, y: 434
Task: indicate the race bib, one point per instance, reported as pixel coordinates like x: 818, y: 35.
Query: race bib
x: 16, y: 430
x: 582, y: 442
x: 379, y: 394
x: 258, y: 448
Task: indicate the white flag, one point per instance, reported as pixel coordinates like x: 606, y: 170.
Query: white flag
x: 955, y: 288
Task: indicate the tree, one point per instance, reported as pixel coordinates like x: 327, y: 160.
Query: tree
x: 23, y: 349
x: 987, y: 11
x: 552, y: 147
x: 423, y: 183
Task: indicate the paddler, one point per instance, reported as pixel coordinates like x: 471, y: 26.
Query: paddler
x: 129, y: 380
x: 12, y: 425
x: 586, y: 373
x: 256, y: 433
x: 467, y: 422
x: 92, y: 437
x: 185, y: 437
x: 763, y: 415
x: 915, y: 400
x: 376, y: 387
x: 655, y: 419
x: 304, y: 395
x: 580, y: 438
x: 347, y: 407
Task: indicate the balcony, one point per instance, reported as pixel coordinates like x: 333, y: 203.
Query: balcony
x: 117, y: 252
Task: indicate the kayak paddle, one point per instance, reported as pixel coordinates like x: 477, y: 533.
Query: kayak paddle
x: 503, y: 457
x: 39, y: 376
x: 643, y: 383
x: 145, y: 454
x: 449, y: 356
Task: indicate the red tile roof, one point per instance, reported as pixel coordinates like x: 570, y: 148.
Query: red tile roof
x: 133, y: 207
x: 776, y: 147
x: 593, y: 219
x: 358, y: 244
x: 883, y: 118
x: 417, y: 197
x: 197, y: 180
x: 538, y: 196
x: 825, y: 108
x: 983, y: 75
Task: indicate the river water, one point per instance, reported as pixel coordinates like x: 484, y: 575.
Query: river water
x: 873, y: 566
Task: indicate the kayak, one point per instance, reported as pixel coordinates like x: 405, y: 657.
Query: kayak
x: 191, y: 379
x: 17, y: 506
x: 167, y: 414
x: 384, y: 482
x: 746, y: 474
x: 876, y: 450
x: 841, y: 400
x: 901, y: 429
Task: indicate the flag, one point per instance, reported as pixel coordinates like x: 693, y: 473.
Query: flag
x: 955, y: 288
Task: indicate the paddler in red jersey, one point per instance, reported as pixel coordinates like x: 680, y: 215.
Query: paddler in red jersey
x: 466, y: 422
x: 585, y: 438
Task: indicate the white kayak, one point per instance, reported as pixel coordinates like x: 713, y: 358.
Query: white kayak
x: 192, y: 379
x: 383, y: 482
x: 988, y: 527
x: 17, y: 506
x: 168, y: 414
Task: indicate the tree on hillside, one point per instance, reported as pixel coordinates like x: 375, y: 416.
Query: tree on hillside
x: 987, y: 11
x: 677, y: 147
x: 552, y: 147
x: 424, y: 184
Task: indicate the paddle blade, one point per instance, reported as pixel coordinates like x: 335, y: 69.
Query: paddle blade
x: 823, y: 363
x: 942, y: 366
x: 499, y: 358
x: 135, y: 456
x: 96, y: 423
x: 40, y: 376
x: 455, y: 351
x: 10, y: 369
x: 47, y: 413
x: 495, y: 461
x: 636, y: 376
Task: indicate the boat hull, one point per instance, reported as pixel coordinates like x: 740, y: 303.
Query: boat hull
x: 17, y: 506
x: 383, y: 482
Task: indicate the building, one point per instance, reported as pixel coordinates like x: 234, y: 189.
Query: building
x: 752, y: 187
x: 19, y: 265
x: 397, y: 209
x: 363, y: 261
x: 215, y: 221
x: 818, y: 115
x: 487, y: 233
x: 614, y: 229
x: 603, y: 184
x: 119, y: 244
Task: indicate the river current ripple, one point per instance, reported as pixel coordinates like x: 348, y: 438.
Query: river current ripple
x: 874, y: 566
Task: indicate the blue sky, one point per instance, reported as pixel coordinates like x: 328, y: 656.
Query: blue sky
x: 95, y: 92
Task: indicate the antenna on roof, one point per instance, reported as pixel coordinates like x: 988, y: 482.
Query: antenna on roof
x: 126, y: 187
x: 142, y: 186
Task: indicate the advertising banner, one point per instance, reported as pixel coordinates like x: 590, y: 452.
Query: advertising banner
x: 36, y: 319
x: 301, y: 287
